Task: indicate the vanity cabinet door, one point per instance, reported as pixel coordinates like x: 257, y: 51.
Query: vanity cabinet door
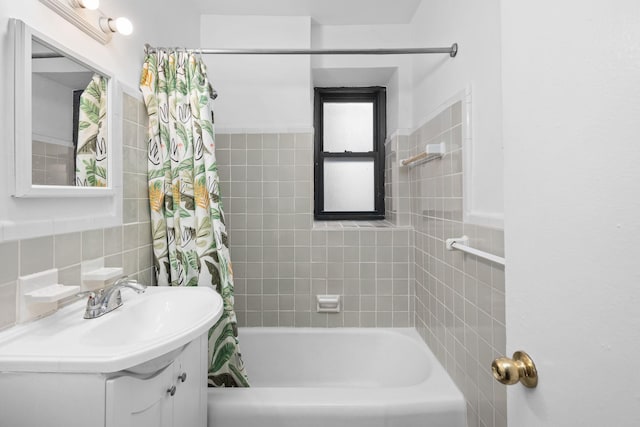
x: 189, y: 405
x: 141, y: 402
x: 51, y: 399
x: 175, y: 396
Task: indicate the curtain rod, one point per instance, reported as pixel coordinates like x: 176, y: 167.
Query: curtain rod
x: 452, y: 51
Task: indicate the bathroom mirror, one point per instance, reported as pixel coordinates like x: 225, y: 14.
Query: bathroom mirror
x: 63, y: 120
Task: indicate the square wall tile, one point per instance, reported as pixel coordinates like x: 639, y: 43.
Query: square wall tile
x: 36, y: 255
x: 9, y: 254
x: 7, y: 304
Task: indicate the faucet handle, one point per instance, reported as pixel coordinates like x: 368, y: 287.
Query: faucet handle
x: 94, y: 296
x: 91, y: 294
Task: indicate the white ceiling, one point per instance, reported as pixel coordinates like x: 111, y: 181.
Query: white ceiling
x: 324, y: 12
x: 75, y: 81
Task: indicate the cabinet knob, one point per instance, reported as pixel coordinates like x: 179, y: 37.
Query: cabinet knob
x: 172, y: 390
x: 182, y: 377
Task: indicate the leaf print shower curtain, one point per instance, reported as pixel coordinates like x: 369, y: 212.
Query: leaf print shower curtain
x: 189, y: 235
x: 91, y: 151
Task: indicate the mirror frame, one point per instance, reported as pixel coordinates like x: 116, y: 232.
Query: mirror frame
x: 23, y: 136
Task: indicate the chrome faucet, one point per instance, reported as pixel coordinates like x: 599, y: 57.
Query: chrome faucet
x: 108, y: 299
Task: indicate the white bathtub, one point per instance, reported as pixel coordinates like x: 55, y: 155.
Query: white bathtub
x: 351, y: 377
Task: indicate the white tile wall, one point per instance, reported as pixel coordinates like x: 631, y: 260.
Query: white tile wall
x: 282, y: 259
x: 459, y: 304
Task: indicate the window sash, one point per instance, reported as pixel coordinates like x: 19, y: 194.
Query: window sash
x: 349, y: 184
x: 347, y: 126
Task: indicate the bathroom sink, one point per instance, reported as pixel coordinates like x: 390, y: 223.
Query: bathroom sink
x: 147, y: 326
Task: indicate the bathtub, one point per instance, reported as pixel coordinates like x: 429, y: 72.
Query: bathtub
x: 341, y: 377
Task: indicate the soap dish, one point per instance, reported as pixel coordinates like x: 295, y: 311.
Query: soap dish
x: 51, y: 293
x: 103, y: 274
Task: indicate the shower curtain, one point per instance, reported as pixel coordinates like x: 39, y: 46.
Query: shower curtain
x: 91, y: 150
x: 190, y: 242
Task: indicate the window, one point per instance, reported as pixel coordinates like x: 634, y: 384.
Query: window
x: 350, y: 128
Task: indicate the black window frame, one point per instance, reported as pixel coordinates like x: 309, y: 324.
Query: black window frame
x: 377, y: 95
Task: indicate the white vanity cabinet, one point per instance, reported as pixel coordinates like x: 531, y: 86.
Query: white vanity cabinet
x: 121, y: 399
x: 114, y: 371
x: 173, y: 396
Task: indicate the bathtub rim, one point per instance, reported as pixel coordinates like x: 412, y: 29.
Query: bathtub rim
x: 437, y: 393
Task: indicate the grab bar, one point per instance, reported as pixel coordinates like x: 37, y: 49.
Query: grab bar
x: 431, y: 152
x: 460, y: 244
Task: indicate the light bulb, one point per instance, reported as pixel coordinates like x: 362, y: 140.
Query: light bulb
x: 90, y: 4
x: 123, y: 26
x: 119, y: 25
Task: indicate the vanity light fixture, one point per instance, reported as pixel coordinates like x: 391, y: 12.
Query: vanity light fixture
x: 85, y: 4
x: 120, y: 25
x: 84, y: 14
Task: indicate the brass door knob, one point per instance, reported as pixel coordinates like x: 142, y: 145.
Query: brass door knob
x: 519, y: 369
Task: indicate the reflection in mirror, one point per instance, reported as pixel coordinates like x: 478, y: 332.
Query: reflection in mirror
x: 69, y: 113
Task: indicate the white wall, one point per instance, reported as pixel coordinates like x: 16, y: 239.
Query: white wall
x: 392, y: 71
x: 267, y: 93
x: 571, y: 87
x: 259, y: 93
x: 20, y: 218
x: 52, y: 105
x: 475, y: 26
